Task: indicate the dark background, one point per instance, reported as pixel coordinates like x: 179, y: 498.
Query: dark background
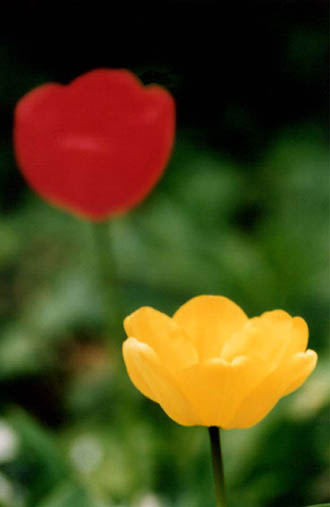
x: 226, y: 62
x: 242, y: 210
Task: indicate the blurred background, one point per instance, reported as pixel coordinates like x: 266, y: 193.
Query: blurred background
x: 242, y: 211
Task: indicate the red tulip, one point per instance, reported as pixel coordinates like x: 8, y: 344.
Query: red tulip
x: 96, y: 146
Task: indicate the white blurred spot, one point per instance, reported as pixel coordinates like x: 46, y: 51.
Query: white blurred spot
x: 8, y: 442
x: 311, y: 398
x: 6, y: 491
x: 149, y: 500
x: 86, y: 453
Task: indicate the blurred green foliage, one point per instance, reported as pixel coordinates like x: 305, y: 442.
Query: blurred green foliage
x: 73, y: 430
x: 84, y: 435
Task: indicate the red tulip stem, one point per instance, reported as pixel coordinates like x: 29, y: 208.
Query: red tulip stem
x: 218, y: 473
x: 108, y: 277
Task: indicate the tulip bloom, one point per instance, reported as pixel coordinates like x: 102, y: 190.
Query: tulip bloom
x: 211, y: 365
x: 96, y: 146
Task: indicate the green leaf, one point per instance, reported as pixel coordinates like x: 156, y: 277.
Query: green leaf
x: 39, y: 444
x: 68, y: 495
x: 40, y: 461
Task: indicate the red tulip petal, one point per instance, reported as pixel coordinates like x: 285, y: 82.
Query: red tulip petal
x: 98, y: 145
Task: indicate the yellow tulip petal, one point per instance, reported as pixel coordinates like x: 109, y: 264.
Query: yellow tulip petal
x: 270, y: 338
x: 135, y: 368
x: 209, y: 321
x: 210, y: 365
x: 279, y: 383
x: 299, y: 335
x: 216, y: 388
x: 292, y: 332
x: 164, y: 335
x: 261, y: 337
x: 149, y: 376
x: 303, y: 366
x: 205, y: 386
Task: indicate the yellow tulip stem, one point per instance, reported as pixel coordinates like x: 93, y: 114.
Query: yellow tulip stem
x: 218, y: 473
x: 108, y: 278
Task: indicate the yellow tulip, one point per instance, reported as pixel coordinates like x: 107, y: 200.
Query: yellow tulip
x: 211, y: 365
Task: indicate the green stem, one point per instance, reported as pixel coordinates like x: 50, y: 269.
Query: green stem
x: 218, y: 473
x: 108, y: 278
